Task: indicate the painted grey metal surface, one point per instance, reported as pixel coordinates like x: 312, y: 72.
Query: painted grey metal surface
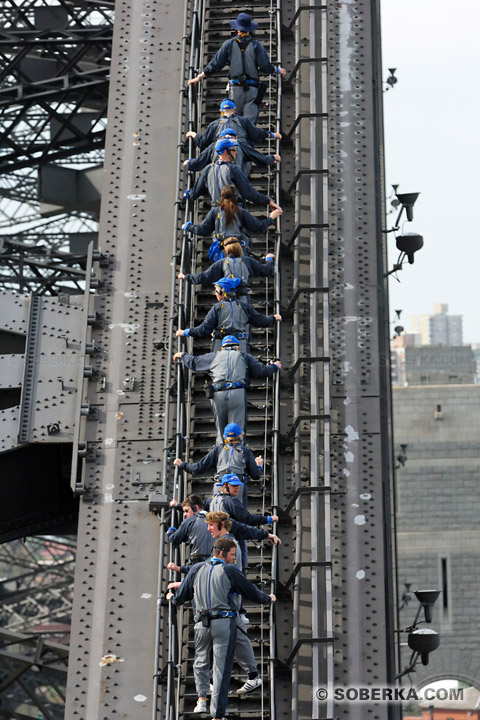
x: 311, y: 656
x: 361, y: 470
x: 117, y: 572
x: 50, y: 329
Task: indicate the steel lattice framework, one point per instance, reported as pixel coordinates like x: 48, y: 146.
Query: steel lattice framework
x: 54, y: 72
x: 35, y: 583
x: 36, y: 587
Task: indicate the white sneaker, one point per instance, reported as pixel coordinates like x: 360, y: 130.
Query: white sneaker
x: 250, y: 685
x: 200, y: 707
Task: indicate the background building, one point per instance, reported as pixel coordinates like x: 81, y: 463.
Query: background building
x: 439, y: 328
x: 397, y: 355
x: 437, y: 519
x: 439, y: 365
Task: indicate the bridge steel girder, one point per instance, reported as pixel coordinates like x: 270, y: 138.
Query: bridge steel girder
x: 337, y: 467
x: 362, y: 452
x: 120, y: 542
x: 343, y: 404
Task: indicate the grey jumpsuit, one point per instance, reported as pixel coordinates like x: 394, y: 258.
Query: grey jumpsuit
x: 245, y: 58
x: 231, y: 317
x: 244, y: 654
x: 212, y: 585
x: 230, y: 370
x: 194, y: 531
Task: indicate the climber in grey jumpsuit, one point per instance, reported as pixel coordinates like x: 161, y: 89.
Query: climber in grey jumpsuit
x: 220, y: 525
x: 234, y: 128
x: 233, y: 265
x: 230, y: 370
x: 245, y: 131
x: 211, y: 585
x: 193, y: 531
x: 229, y: 316
x: 224, y: 172
x: 230, y: 457
x: 245, y: 56
x: 227, y: 500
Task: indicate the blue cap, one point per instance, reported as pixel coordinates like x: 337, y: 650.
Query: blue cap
x: 230, y: 340
x: 231, y: 479
x: 228, y: 131
x: 232, y: 430
x: 228, y: 284
x: 225, y: 144
x: 227, y: 104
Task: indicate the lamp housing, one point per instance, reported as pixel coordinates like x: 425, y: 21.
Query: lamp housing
x: 427, y: 598
x: 409, y: 243
x: 423, y: 642
x: 408, y: 200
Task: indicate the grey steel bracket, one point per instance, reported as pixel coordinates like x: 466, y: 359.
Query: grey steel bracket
x: 306, y: 490
x: 300, y: 173
x: 305, y: 226
x: 103, y: 259
x: 149, y: 473
x: 299, y: 292
x: 96, y: 284
x: 283, y: 516
x: 286, y: 438
x: 312, y: 564
x: 95, y: 320
x: 158, y: 502
x: 281, y: 591
x: 89, y: 411
x: 92, y: 349
x: 81, y: 450
x: 300, y: 10
x: 288, y: 81
x: 129, y: 384
x: 300, y: 117
x: 87, y: 451
x: 301, y: 360
x: 280, y: 667
x: 90, y: 373
x: 307, y: 641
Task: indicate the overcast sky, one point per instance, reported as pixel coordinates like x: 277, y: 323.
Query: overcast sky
x: 432, y: 127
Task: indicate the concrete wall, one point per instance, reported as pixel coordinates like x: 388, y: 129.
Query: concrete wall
x: 439, y: 364
x: 437, y: 519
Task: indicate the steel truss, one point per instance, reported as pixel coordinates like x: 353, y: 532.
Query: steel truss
x: 54, y: 72
x: 54, y: 67
x: 35, y: 609
x: 40, y: 268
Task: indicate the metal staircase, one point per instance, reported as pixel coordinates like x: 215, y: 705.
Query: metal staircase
x: 195, y: 426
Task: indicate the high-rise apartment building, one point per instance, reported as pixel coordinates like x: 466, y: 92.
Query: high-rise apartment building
x: 439, y: 328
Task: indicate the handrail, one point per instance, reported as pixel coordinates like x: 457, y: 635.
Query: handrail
x: 276, y: 418
x: 172, y: 648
